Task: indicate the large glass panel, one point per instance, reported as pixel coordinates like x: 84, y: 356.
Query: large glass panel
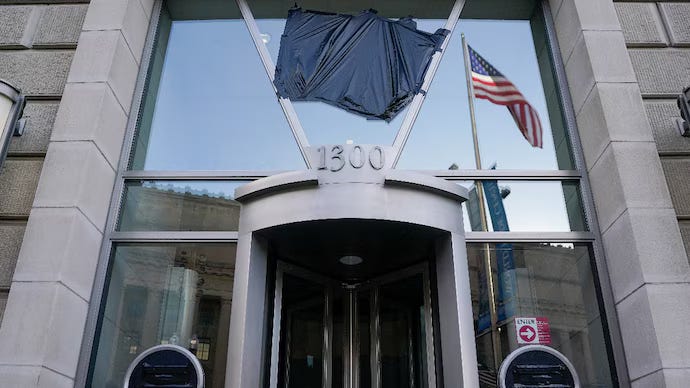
x: 526, y: 206
x: 402, y: 334
x: 549, y: 281
x: 442, y: 135
x: 180, y: 206
x: 323, y: 123
x: 214, y: 106
x: 166, y: 294
x: 302, y: 341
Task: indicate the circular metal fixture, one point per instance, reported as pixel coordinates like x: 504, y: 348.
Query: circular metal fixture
x: 350, y: 260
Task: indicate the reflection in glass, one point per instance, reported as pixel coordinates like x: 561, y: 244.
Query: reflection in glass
x: 526, y: 206
x: 323, y: 123
x: 166, y: 294
x: 301, y: 345
x: 442, y: 134
x: 214, y: 106
x: 180, y: 206
x: 402, y: 334
x: 543, y: 280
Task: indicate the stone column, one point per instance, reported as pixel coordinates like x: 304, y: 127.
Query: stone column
x: 645, y: 257
x: 44, y: 321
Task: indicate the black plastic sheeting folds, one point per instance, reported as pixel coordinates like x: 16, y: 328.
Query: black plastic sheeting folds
x: 366, y: 64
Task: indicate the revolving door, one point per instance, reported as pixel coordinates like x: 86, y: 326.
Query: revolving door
x: 335, y: 334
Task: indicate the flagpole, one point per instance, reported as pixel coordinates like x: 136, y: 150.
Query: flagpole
x: 495, y: 338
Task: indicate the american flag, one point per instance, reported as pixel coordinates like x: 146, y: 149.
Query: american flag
x: 491, y: 85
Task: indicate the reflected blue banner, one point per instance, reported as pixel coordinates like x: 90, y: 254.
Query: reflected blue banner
x: 505, y: 261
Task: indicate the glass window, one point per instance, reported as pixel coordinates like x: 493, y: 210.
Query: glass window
x: 550, y: 281
x: 323, y: 123
x: 180, y: 206
x: 442, y: 134
x: 525, y: 206
x: 214, y: 106
x: 166, y: 294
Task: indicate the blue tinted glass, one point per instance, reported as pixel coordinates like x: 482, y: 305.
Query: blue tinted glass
x: 325, y: 124
x: 442, y: 135
x: 215, y: 107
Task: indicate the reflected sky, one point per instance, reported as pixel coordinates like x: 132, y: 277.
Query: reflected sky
x: 216, y: 108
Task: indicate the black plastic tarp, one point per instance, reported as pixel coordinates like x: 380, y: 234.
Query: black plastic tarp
x: 364, y: 63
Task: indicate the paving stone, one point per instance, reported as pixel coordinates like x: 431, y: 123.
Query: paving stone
x: 60, y: 25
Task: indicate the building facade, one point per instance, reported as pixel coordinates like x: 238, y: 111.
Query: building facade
x: 162, y: 193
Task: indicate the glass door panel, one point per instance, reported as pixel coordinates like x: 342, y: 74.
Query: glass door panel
x: 302, y: 334
x: 365, y: 335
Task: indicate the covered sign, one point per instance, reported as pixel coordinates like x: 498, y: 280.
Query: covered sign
x: 365, y: 63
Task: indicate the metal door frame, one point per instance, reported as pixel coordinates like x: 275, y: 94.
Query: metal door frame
x: 351, y: 343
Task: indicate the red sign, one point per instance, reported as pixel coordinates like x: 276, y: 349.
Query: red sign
x: 533, y: 331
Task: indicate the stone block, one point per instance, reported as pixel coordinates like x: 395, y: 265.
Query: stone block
x: 61, y: 245
x: 103, y: 56
x: 148, y: 7
x: 55, y: 320
x: 641, y: 24
x: 37, y: 73
x: 661, y: 72
x: 612, y: 112
x: 644, y: 246
x: 628, y: 174
x: 667, y: 378
x: 676, y: 16
x: 598, y: 56
x: 11, y: 236
x: 671, y: 316
x: 14, y: 23
x: 40, y: 116
x: 41, y: 1
x: 34, y: 377
x: 3, y: 304
x: 128, y: 16
x: 90, y: 111
x: 662, y: 118
x: 60, y: 25
x: 677, y: 173
x: 685, y: 233
x: 77, y: 175
x: 18, y: 181
x: 575, y: 16
x: 639, y: 334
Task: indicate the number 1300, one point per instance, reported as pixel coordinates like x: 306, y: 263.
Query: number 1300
x: 336, y: 158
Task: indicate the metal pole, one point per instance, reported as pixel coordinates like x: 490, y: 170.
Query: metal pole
x: 495, y: 339
x: 285, y: 104
x: 418, y: 100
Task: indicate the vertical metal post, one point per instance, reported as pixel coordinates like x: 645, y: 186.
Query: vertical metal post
x: 429, y: 331
x: 328, y: 338
x: 495, y: 338
x: 275, y: 336
x: 375, y: 339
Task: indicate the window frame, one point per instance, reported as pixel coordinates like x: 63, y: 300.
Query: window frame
x: 613, y: 338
